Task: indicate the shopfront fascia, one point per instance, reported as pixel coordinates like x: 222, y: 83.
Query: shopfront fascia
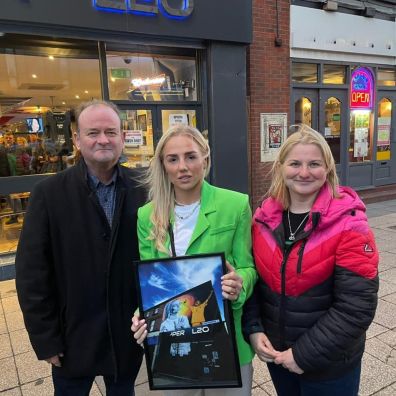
x: 168, y: 67
x: 353, y: 106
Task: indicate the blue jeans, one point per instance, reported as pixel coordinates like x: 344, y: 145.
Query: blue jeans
x: 81, y: 386
x: 291, y: 384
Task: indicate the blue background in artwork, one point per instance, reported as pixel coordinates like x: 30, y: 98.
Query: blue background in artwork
x: 160, y: 281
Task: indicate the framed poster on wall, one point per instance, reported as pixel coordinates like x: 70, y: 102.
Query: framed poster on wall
x: 191, y: 338
x: 273, y: 132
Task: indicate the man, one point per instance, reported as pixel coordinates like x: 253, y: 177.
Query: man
x: 74, y: 272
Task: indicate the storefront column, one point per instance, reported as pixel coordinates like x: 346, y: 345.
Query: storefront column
x: 228, y: 115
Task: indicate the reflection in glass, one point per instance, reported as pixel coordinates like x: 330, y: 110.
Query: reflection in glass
x: 332, y: 131
x: 173, y: 117
x: 361, y: 127
x: 334, y: 74
x: 304, y: 72
x: 139, y: 146
x: 303, y: 111
x: 12, y: 210
x: 142, y: 77
x: 384, y: 130
x: 386, y: 77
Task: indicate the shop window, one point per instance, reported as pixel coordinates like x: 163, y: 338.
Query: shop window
x: 303, y: 111
x: 384, y: 130
x: 172, y: 117
x: 361, y: 127
x: 332, y: 131
x: 334, y: 74
x: 41, y: 80
x: 139, y: 144
x: 304, y: 72
x: 386, y: 77
x: 159, y: 78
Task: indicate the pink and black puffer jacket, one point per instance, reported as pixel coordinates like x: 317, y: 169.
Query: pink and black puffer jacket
x: 318, y: 296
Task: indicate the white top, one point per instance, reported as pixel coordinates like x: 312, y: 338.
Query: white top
x: 186, y: 217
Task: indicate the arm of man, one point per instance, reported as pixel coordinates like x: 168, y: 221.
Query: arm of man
x: 35, y: 280
x: 353, y: 309
x: 242, y: 255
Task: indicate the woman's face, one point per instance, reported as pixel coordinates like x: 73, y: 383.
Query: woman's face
x: 304, y: 171
x: 185, y: 165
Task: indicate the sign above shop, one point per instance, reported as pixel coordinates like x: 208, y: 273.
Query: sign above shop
x: 120, y: 73
x: 362, y: 89
x: 180, y: 9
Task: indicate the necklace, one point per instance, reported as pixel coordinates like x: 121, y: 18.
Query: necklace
x: 187, y: 215
x: 292, y: 234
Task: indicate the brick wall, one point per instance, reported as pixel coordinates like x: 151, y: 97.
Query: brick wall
x: 268, y: 82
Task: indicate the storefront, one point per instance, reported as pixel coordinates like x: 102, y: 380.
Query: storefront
x: 162, y: 62
x: 344, y: 85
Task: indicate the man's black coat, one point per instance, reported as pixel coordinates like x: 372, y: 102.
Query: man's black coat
x: 75, y: 277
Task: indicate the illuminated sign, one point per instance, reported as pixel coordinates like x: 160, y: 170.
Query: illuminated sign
x: 168, y: 8
x: 362, y: 89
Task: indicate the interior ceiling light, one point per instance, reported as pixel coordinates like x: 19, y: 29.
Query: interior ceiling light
x: 86, y: 91
x: 77, y: 96
x: 51, y: 57
x: 34, y: 75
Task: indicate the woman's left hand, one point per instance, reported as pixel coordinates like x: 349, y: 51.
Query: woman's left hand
x: 231, y: 283
x: 286, y: 359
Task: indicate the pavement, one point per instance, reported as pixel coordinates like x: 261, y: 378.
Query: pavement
x: 22, y: 374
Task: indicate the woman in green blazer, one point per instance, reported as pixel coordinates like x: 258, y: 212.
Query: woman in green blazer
x: 187, y: 216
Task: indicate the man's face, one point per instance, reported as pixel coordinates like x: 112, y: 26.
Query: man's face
x: 100, y: 139
x: 9, y: 140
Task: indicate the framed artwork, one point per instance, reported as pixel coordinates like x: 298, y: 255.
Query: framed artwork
x: 191, y: 336
x: 142, y: 121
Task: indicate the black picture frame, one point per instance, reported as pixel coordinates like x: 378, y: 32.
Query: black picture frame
x: 180, y: 298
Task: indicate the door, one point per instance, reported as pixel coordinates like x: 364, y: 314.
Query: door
x: 333, y: 125
x: 385, y: 135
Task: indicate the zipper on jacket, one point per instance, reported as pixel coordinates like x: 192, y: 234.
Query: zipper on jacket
x: 283, y: 297
x: 300, y: 256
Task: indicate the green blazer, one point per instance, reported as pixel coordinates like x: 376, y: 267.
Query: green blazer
x: 223, y: 225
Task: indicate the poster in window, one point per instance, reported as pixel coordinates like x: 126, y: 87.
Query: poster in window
x: 142, y: 122
x: 175, y: 119
x: 191, y: 337
x: 360, y: 148
x: 273, y: 131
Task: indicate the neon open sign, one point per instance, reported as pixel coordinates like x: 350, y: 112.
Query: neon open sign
x: 362, y: 89
x: 180, y: 9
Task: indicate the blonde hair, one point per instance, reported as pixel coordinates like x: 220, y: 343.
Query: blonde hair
x: 303, y: 135
x: 160, y: 189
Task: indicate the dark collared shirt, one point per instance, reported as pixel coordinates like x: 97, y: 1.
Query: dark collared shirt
x: 106, y: 194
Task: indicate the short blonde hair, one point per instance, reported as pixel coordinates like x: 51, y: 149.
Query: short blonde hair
x: 302, y: 134
x: 160, y: 189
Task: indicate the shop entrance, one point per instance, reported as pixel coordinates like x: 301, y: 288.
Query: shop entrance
x: 385, y: 164
x: 325, y: 110
x: 144, y: 125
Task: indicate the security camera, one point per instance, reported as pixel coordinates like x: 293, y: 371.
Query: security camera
x: 127, y: 60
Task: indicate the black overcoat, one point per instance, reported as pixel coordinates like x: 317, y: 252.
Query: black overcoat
x: 74, y: 274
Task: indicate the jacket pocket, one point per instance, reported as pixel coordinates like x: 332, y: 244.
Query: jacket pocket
x: 223, y: 228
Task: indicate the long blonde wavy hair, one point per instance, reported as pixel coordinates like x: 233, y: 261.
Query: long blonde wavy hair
x: 302, y: 134
x: 160, y: 189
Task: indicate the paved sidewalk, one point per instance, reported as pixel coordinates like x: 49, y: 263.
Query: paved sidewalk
x: 22, y: 374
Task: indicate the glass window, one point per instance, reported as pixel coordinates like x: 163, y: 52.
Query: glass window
x: 386, y: 77
x: 384, y: 130
x: 40, y: 81
x: 303, y: 111
x: 143, y: 77
x: 304, y: 72
x: 139, y: 144
x: 361, y: 126
x: 334, y: 74
x: 332, y: 131
x: 172, y: 117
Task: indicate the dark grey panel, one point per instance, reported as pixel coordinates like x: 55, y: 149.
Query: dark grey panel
x: 224, y: 20
x: 228, y: 115
x: 383, y: 172
x: 18, y: 184
x: 361, y: 175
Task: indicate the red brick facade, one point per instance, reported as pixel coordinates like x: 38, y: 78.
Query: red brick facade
x: 268, y: 81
